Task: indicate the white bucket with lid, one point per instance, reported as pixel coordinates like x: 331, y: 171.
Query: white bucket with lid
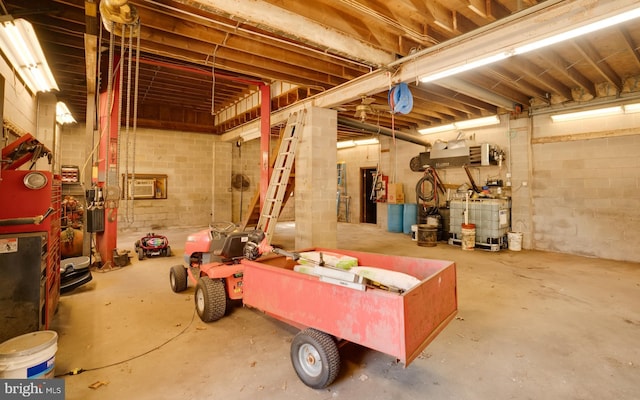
x: 514, y: 240
x: 29, y: 356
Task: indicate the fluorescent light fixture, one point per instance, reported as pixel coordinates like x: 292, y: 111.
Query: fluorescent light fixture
x: 436, y: 129
x: 20, y: 45
x: 345, y: 144
x: 477, y: 122
x: 63, y: 115
x: 598, y: 112
x: 466, y: 124
x: 362, y: 142
x: 583, y: 30
x: 465, y: 67
x: 632, y: 108
x: 538, y: 44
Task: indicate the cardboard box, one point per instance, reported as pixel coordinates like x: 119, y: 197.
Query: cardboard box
x: 395, y: 193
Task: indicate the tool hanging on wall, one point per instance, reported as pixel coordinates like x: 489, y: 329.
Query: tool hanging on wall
x: 431, y: 176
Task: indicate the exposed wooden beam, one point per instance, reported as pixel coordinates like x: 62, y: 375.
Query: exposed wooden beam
x: 288, y: 24
x: 591, y: 55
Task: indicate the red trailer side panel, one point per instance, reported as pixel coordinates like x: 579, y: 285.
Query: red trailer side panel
x: 400, y: 325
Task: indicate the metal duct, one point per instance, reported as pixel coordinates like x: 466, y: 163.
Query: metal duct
x: 368, y: 128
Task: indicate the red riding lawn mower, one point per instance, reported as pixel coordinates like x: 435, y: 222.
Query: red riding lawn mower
x: 213, y: 257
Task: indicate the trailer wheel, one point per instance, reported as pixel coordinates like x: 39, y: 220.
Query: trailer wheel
x: 178, y: 278
x: 210, y: 299
x: 140, y: 253
x: 315, y: 358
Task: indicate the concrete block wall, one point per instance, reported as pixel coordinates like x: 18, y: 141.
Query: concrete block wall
x: 355, y: 159
x: 221, y: 182
x: 246, y: 161
x: 20, y: 106
x: 586, y: 191
x: 316, y: 180
x: 186, y: 159
x: 519, y: 161
x: 72, y: 145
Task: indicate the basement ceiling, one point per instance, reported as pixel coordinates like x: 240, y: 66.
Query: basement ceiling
x: 202, y: 59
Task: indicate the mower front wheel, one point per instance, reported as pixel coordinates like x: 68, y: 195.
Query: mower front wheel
x: 210, y: 299
x: 140, y: 253
x: 178, y: 278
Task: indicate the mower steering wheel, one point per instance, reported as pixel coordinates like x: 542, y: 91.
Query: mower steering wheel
x: 223, y: 227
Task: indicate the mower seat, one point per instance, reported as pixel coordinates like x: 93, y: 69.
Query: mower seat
x: 233, y: 247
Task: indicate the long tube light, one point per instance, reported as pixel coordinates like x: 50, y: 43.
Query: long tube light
x: 632, y: 108
x: 63, y: 115
x: 465, y: 124
x: 20, y: 45
x: 477, y: 122
x: 352, y: 143
x: 538, y: 44
x: 597, y: 112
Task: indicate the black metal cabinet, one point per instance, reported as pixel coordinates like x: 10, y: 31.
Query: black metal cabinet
x: 23, y: 277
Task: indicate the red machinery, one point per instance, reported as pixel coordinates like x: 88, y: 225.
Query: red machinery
x: 213, y: 257
x: 400, y: 323
x: 29, y: 241
x: 152, y: 245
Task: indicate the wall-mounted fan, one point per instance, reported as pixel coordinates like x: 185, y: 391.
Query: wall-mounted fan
x: 240, y: 182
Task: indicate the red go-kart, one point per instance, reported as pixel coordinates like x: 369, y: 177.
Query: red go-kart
x: 153, y: 245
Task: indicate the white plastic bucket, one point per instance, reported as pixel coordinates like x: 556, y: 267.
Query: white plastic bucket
x: 468, y: 241
x: 29, y: 356
x: 514, y: 239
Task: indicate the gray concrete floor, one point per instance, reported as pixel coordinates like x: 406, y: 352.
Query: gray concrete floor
x: 531, y: 325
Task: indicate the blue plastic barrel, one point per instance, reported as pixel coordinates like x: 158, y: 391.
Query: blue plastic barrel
x: 410, y: 217
x: 394, y: 217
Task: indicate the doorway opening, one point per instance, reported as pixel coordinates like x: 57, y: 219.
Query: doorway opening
x: 368, y: 205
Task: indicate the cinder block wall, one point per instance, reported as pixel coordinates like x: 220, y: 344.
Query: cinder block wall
x: 356, y: 158
x: 586, y: 187
x: 246, y: 161
x: 186, y: 159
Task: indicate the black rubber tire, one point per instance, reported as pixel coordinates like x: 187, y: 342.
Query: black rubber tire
x: 167, y: 251
x: 315, y: 358
x: 210, y: 299
x: 178, y: 278
x: 140, y: 254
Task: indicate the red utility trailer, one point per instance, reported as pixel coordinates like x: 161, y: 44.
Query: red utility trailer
x: 397, y: 324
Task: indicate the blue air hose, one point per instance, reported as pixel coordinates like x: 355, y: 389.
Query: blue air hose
x: 400, y: 99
